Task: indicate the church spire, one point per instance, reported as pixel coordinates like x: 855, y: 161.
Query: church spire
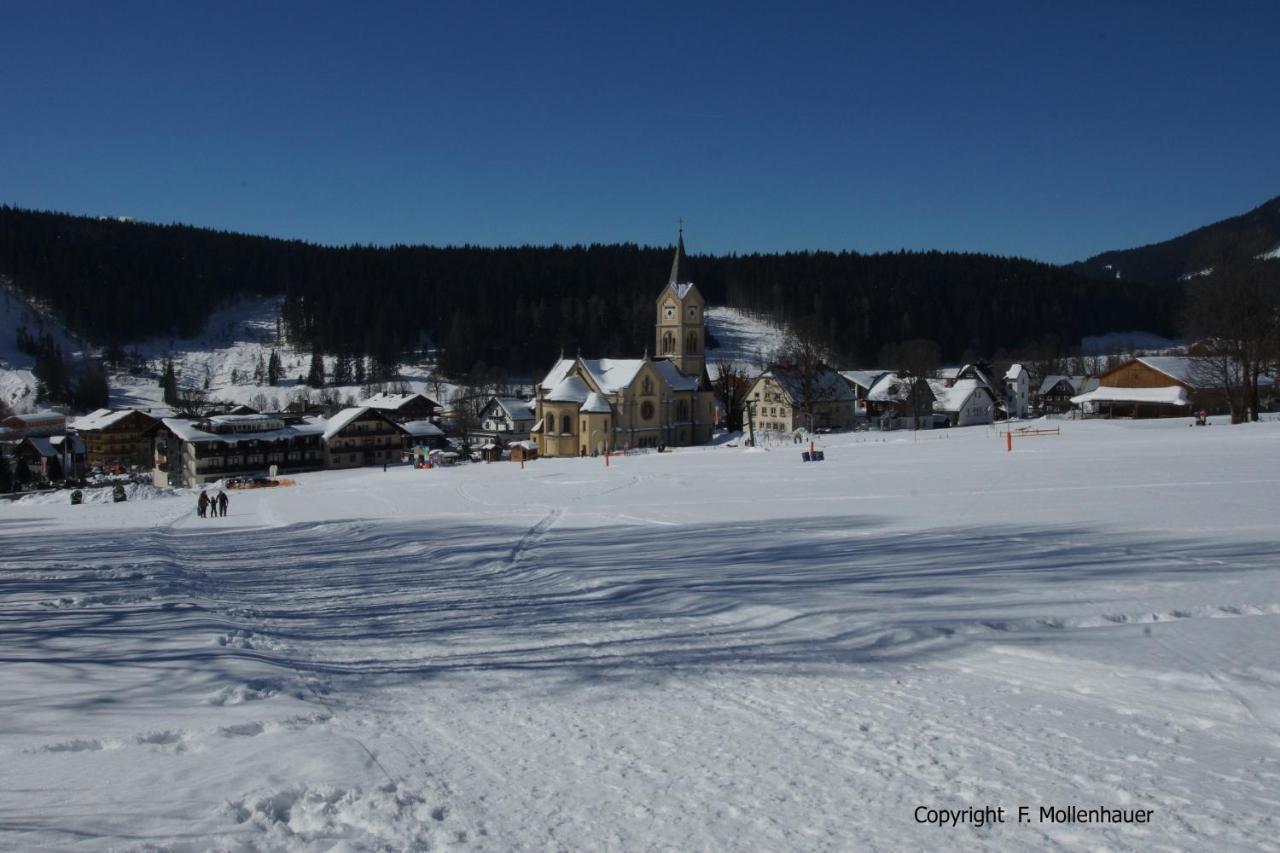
x: 680, y: 265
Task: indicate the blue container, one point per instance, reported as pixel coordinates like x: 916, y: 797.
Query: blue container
x: 818, y: 456
x: 805, y: 455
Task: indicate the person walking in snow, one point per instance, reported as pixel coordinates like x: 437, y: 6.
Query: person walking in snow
x: 222, y: 504
x: 202, y: 504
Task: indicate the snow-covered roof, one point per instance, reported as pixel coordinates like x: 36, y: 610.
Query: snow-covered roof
x: 674, y: 378
x: 418, y: 429
x: 75, y: 441
x: 864, y: 379
x: 951, y: 398
x: 536, y: 427
x: 571, y: 389
x: 827, y: 386
x: 1046, y: 384
x: 42, y: 416
x: 557, y: 373
x: 1179, y: 367
x: 526, y: 444
x: 339, y: 422
x: 516, y: 408
x: 613, y: 374
x: 682, y: 290
x: 97, y: 419
x: 890, y: 388
x: 393, y: 402
x: 597, y: 404
x: 1014, y: 371
x: 1173, y: 395
x: 187, y: 429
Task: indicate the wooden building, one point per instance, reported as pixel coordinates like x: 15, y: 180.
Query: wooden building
x: 117, y: 440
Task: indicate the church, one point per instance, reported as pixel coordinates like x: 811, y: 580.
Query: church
x: 587, y: 406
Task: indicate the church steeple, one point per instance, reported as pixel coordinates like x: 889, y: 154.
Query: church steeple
x: 680, y: 264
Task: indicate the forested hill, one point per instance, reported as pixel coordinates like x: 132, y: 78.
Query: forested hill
x: 116, y: 282
x: 1251, y: 234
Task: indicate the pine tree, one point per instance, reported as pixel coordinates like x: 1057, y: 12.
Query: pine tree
x: 169, y: 383
x: 315, y: 375
x: 359, y: 374
x: 273, y: 369
x: 92, y: 388
x: 342, y: 370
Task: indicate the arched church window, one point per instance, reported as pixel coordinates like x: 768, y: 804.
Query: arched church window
x: 691, y: 342
x: 647, y: 387
x: 646, y: 410
x: 566, y: 424
x: 682, y: 411
x: 668, y: 343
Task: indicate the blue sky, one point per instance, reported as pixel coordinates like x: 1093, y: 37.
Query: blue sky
x: 1048, y: 130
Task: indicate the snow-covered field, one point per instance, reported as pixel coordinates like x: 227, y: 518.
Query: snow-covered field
x: 713, y: 649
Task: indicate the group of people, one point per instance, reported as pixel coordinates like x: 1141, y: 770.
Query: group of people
x: 214, y: 505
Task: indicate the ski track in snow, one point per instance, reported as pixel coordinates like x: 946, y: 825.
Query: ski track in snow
x: 698, y: 650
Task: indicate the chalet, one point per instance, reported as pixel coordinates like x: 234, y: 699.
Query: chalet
x: 117, y: 440
x: 189, y: 452
x: 900, y: 402
x: 1055, y: 392
x: 782, y: 399
x: 403, y: 407
x: 505, y: 419
x: 963, y: 402
x: 421, y: 435
x: 361, y: 436
x: 861, y: 382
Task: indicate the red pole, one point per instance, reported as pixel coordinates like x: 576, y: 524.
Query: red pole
x: 606, y: 459
x: 1009, y: 442
x: 521, y: 463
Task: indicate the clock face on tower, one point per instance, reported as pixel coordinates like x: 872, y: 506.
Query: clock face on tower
x: 693, y: 313
x: 669, y: 312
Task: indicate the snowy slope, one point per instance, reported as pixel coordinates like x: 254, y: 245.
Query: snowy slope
x: 748, y: 339
x: 17, y: 384
x: 713, y: 649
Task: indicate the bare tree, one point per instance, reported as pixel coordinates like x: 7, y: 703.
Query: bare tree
x: 802, y: 367
x: 916, y: 361
x: 731, y: 386
x: 1233, y: 311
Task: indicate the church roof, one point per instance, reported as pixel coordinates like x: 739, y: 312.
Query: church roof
x: 676, y: 380
x: 571, y: 389
x: 597, y: 404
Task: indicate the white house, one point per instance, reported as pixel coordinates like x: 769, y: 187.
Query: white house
x: 1017, y: 384
x: 964, y: 402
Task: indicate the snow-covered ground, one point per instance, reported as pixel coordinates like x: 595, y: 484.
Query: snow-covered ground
x: 713, y: 649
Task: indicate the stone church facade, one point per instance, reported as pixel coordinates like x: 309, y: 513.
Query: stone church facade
x: 585, y: 406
